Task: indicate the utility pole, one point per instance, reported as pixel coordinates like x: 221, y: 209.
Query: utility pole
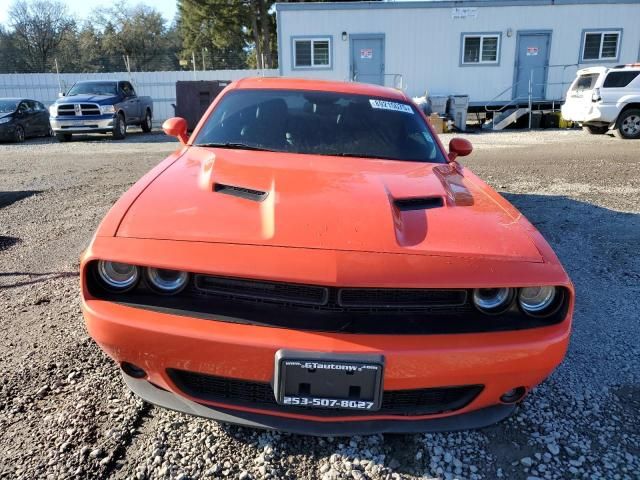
x: 204, y: 66
x: 58, y: 76
x: 193, y: 61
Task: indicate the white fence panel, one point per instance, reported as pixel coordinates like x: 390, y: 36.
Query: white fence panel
x: 160, y: 86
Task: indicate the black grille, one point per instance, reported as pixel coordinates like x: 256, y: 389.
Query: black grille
x: 425, y: 401
x: 329, y: 298
x: 400, y: 298
x: 269, y: 291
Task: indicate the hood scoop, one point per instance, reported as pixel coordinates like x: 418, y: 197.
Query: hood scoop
x: 242, y: 192
x: 418, y: 203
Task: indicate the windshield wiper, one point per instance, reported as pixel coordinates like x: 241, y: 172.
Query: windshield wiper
x: 235, y: 145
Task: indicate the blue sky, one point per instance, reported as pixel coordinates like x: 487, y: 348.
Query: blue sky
x: 82, y: 8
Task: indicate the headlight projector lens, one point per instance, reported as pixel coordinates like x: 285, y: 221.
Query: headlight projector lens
x: 118, y: 276
x: 166, y: 281
x: 492, y: 300
x: 536, y: 299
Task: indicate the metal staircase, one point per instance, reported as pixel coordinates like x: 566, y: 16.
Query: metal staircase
x: 506, y: 118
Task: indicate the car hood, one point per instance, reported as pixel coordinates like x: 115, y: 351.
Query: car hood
x: 99, y: 99
x: 320, y: 202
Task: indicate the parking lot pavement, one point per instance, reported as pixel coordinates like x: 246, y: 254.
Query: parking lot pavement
x: 65, y: 413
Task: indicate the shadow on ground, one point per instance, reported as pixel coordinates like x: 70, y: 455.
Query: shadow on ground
x: 7, y: 198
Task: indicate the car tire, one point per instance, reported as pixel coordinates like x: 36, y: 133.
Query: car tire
x: 119, y: 127
x: 64, y: 137
x: 147, y: 123
x: 628, y: 125
x: 595, y: 129
x: 18, y: 134
x: 50, y: 133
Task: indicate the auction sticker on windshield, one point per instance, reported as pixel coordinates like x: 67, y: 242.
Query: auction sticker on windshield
x: 394, y: 106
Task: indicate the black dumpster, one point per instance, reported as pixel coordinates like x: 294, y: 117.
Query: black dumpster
x: 194, y: 97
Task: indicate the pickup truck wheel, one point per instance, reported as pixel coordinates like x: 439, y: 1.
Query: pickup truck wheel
x: 628, y: 125
x: 119, y: 127
x: 18, y: 134
x: 595, y: 130
x: 146, y: 123
x: 63, y: 137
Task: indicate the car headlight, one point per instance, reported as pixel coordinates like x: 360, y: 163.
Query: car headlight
x: 166, y: 281
x: 537, y: 300
x: 118, y: 276
x: 53, y: 110
x: 492, y: 300
x: 5, y: 120
x: 104, y: 109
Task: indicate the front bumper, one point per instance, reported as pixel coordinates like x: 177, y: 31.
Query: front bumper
x: 7, y: 131
x: 83, y: 124
x: 157, y: 342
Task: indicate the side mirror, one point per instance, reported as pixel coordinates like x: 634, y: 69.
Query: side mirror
x: 60, y: 94
x: 176, y: 127
x: 459, y: 147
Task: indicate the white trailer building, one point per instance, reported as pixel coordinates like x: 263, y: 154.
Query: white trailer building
x: 499, y: 52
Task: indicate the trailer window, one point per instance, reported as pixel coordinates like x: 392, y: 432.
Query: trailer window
x: 480, y: 49
x: 311, y: 52
x: 600, y: 45
x: 620, y: 79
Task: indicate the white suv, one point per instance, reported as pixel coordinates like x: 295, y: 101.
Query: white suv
x: 602, y: 98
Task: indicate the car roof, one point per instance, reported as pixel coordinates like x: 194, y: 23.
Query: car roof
x: 284, y: 83
x: 600, y: 69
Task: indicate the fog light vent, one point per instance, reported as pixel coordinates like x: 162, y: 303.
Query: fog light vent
x: 514, y: 395
x: 133, y: 370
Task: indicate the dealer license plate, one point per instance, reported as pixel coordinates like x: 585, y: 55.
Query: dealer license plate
x: 321, y: 380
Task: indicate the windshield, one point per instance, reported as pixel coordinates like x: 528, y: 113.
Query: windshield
x: 8, y: 106
x: 320, y: 123
x: 93, y: 88
x: 585, y: 82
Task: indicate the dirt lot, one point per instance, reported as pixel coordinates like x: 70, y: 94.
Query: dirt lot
x: 65, y: 413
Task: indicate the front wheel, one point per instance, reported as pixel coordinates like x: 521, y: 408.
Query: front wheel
x: 119, y: 127
x: 18, y: 134
x: 146, y: 123
x: 628, y: 125
x: 595, y: 130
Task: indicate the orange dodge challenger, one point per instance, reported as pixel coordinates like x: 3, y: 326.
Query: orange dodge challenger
x: 312, y: 260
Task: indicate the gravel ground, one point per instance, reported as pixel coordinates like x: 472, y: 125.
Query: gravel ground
x: 65, y: 413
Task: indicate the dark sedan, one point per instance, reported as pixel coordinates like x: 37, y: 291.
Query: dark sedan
x: 22, y: 118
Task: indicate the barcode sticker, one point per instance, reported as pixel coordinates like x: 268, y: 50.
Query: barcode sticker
x: 394, y: 106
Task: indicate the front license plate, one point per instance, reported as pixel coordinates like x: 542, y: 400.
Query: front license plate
x: 321, y: 380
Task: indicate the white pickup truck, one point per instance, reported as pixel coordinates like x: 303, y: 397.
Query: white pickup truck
x: 603, y: 99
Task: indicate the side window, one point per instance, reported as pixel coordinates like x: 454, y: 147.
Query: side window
x: 125, y: 87
x: 620, y: 79
x: 23, y: 108
x: 40, y: 107
x: 128, y: 88
x: 32, y: 106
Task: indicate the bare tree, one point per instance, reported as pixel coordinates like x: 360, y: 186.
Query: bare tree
x: 39, y: 27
